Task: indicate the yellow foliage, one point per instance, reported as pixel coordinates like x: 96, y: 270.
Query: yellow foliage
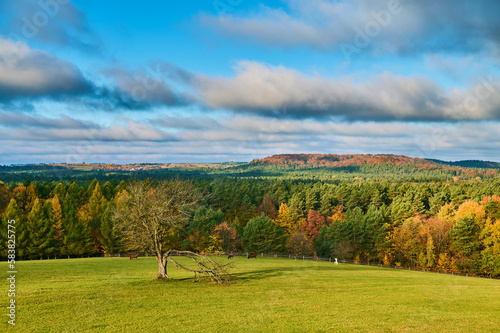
x: 357, y: 259
x: 338, y: 214
x: 446, y: 263
x: 446, y: 213
x: 388, y: 259
x: 57, y: 219
x: 472, y: 210
x: 214, y: 244
x: 491, y: 235
x: 283, y: 219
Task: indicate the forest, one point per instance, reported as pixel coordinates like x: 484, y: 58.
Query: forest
x: 447, y: 226
x: 311, y: 167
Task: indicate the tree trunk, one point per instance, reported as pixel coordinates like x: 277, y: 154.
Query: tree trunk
x: 162, y: 267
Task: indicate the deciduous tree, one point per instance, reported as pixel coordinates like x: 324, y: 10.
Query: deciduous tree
x: 299, y: 244
x: 151, y: 213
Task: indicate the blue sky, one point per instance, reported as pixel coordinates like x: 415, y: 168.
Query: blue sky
x: 221, y: 80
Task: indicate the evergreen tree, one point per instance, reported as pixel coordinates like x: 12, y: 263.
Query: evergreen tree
x: 108, y: 238
x: 59, y: 191
x: 107, y: 191
x: 91, y: 214
x: 262, y: 235
x: 4, y: 197
x: 57, y: 223
x: 77, y: 236
x: 14, y: 212
x: 466, y: 244
x: 41, y: 234
x: 78, y: 239
x: 297, y: 209
x: 121, y: 187
x: 312, y: 201
x: 328, y: 202
x: 91, y: 187
x: 201, y: 226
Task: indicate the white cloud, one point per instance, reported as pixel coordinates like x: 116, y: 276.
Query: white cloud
x: 27, y: 72
x: 281, y: 92
x: 394, y: 26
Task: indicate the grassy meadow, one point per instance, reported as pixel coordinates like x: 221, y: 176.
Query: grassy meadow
x: 267, y: 295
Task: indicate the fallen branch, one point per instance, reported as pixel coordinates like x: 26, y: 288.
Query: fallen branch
x: 206, y: 267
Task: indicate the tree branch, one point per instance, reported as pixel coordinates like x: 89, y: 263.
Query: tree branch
x: 206, y: 266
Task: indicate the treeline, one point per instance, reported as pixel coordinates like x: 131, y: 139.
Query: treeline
x: 445, y: 226
x: 297, y: 167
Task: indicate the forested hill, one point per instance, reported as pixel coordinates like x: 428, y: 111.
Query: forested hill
x: 471, y: 164
x: 355, y: 166
x: 334, y: 161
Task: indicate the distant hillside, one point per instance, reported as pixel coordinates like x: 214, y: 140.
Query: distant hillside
x: 335, y: 161
x: 327, y: 167
x: 363, y: 166
x: 471, y: 164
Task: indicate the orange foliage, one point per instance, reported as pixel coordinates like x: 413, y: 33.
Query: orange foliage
x: 487, y: 199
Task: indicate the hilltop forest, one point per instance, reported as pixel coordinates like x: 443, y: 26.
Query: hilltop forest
x: 437, y: 217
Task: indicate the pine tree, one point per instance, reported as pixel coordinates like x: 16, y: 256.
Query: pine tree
x: 91, y: 214
x: 108, y: 238
x: 91, y: 187
x: 41, y: 235
x: 297, y: 209
x: 77, y: 237
x: 13, y: 213
x: 312, y: 198
x: 120, y: 188
x: 466, y: 244
x: 4, y: 197
x: 31, y: 197
x: 59, y: 191
x: 57, y: 223
x: 261, y: 234
x: 107, y: 191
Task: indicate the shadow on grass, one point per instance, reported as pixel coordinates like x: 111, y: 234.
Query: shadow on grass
x: 269, y: 272
x: 278, y: 271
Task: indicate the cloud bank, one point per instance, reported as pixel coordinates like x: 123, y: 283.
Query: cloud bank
x: 403, y: 27
x: 281, y: 92
x: 29, y: 73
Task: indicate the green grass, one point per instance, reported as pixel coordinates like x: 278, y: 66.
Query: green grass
x: 267, y: 295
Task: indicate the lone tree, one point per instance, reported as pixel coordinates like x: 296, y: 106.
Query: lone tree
x: 147, y: 216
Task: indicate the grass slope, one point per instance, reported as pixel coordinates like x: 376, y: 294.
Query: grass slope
x: 268, y: 295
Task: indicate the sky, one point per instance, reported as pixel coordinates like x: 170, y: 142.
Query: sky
x: 234, y: 80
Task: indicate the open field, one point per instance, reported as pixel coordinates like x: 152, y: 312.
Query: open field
x: 267, y: 295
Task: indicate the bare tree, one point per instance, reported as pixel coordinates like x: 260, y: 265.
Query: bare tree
x: 148, y: 215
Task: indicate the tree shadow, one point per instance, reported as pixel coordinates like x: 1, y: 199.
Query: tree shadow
x: 274, y: 272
